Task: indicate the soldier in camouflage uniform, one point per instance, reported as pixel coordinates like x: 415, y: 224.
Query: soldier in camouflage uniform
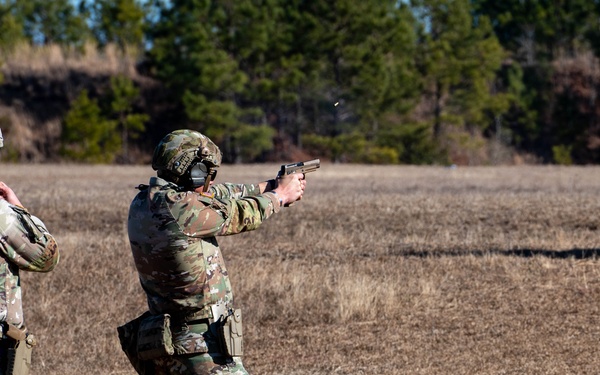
x: 25, y: 244
x: 172, y: 226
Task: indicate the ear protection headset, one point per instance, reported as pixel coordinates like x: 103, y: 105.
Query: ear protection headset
x: 201, y: 175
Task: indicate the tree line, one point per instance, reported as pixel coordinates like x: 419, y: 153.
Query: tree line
x: 370, y: 81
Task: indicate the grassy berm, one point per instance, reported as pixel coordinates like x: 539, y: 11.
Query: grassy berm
x: 378, y: 270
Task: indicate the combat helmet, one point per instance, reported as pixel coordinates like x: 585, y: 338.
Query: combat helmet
x: 186, y: 158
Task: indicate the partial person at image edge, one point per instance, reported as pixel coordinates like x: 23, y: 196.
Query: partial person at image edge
x: 25, y: 245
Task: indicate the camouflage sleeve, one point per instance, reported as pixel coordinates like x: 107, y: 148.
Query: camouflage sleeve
x: 234, y: 191
x: 199, y: 216
x: 25, y: 241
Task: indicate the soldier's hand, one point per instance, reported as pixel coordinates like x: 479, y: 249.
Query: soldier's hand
x: 290, y: 188
x: 9, y: 195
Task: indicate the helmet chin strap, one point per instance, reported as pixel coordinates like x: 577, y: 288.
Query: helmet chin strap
x: 207, y: 183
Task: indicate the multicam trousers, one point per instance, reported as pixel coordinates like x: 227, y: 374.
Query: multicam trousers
x: 200, y: 364
x: 212, y: 362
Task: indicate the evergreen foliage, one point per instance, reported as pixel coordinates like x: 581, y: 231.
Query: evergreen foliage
x: 371, y: 81
x: 87, y: 135
x: 116, y: 21
x: 52, y: 22
x: 122, y: 99
x: 459, y: 59
x: 187, y: 56
x: 11, y: 26
x: 540, y: 36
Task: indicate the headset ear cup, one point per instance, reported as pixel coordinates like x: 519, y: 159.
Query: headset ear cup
x: 198, y: 174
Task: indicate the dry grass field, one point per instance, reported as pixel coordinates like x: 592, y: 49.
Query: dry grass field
x: 379, y: 270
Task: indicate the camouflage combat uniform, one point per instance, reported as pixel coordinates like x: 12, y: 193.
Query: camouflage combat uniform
x: 181, y: 268
x: 25, y: 244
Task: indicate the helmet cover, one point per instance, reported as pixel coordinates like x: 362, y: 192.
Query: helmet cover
x: 180, y: 150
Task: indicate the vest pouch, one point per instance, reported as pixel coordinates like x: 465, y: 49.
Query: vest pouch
x: 231, y: 332
x: 154, y: 338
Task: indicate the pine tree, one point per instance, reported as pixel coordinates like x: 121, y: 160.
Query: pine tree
x: 188, y: 57
x: 87, y: 135
x: 123, y: 96
x: 117, y: 21
x: 459, y: 58
x: 358, y: 65
x: 11, y: 26
x: 48, y: 22
x: 541, y: 38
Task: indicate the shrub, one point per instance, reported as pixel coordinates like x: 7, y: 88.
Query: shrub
x: 87, y: 136
x: 562, y: 154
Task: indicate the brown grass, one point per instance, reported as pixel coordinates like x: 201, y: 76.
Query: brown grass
x: 58, y: 62
x: 379, y: 270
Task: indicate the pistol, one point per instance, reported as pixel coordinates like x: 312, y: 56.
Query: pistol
x: 299, y: 167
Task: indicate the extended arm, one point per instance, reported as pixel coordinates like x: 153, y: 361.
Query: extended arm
x: 288, y: 188
x: 200, y: 216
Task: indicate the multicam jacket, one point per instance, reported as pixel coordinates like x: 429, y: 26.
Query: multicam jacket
x: 25, y: 244
x: 172, y: 237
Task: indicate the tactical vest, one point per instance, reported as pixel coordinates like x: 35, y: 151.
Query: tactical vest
x: 181, y: 270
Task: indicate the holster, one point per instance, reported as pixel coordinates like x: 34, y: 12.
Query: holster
x: 19, y: 355
x: 231, y: 334
x: 229, y: 329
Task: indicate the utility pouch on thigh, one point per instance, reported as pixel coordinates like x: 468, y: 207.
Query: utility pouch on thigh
x: 154, y: 338
x: 232, y: 334
x: 128, y: 336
